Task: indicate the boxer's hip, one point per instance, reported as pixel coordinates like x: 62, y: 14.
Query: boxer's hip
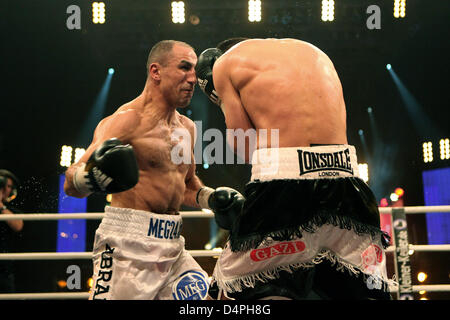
x: 329, y: 252
x: 296, y: 190
x: 141, y: 255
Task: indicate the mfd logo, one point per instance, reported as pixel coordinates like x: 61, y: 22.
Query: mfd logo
x: 191, y: 285
x: 316, y: 161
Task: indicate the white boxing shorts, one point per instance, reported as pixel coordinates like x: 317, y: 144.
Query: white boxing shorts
x: 139, y: 255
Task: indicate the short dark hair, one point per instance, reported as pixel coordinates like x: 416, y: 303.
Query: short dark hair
x: 228, y: 43
x: 12, y: 176
x: 160, y: 51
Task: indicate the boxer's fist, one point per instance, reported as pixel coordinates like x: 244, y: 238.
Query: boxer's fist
x: 226, y: 203
x: 111, y: 168
x: 203, y: 69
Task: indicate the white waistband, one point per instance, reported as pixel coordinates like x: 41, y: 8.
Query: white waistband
x: 319, y: 162
x: 128, y: 221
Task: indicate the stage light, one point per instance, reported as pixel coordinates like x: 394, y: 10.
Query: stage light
x: 422, y: 276
x: 384, y: 202
x: 66, y: 156
x: 444, y: 146
x: 90, y: 282
x: 327, y: 10
x: 363, y: 171
x: 254, y: 10
x: 369, y: 110
x: 388, y: 66
x: 98, y: 12
x: 427, y: 152
x: 205, y: 166
x: 178, y: 12
x: 360, y: 132
x: 78, y: 154
x: 111, y: 71
x: 399, y: 8
x: 400, y: 192
x: 393, y: 197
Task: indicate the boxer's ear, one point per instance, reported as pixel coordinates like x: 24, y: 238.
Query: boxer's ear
x: 154, y: 71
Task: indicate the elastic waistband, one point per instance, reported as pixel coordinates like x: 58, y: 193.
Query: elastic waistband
x: 141, y: 223
x: 318, y: 162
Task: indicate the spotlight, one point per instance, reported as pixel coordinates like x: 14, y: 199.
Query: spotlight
x: 178, y: 12
x: 444, y: 146
x: 393, y: 197
x: 78, y: 154
x: 111, y: 71
x: 254, y: 10
x: 399, y: 192
x: 66, y: 156
x: 369, y: 110
x: 399, y: 8
x: 363, y: 171
x: 427, y: 152
x: 360, y: 132
x: 327, y: 10
x: 422, y: 276
x: 98, y: 12
x: 388, y: 66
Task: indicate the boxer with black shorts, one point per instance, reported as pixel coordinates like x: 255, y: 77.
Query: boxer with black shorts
x: 308, y: 227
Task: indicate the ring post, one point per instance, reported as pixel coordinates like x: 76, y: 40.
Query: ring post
x: 401, y: 256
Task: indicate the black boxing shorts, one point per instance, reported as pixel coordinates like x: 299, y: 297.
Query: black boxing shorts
x: 310, y: 228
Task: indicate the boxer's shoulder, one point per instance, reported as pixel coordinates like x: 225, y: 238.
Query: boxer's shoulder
x: 121, y: 123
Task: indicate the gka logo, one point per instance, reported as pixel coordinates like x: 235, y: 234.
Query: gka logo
x: 191, y: 285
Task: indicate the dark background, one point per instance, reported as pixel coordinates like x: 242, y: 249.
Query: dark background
x: 52, y: 76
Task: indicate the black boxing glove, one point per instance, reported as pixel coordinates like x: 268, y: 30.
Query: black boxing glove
x: 226, y: 203
x: 204, y: 73
x: 111, y: 168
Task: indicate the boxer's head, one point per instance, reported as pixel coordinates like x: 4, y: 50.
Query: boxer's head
x: 170, y: 65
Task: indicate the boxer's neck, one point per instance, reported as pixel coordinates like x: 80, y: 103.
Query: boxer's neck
x: 156, y: 106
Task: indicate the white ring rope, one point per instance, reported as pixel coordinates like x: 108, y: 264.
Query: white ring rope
x: 194, y: 253
x: 85, y: 295
x: 189, y: 214
x: 84, y: 255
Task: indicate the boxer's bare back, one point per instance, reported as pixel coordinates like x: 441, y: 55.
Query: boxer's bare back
x: 283, y: 84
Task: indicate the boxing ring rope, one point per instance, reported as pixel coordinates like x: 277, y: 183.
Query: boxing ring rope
x: 194, y: 253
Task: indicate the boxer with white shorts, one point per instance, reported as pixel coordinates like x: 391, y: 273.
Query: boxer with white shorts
x: 138, y: 250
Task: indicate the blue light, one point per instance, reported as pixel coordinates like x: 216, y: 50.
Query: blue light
x: 360, y: 132
x: 110, y: 70
x: 388, y: 66
x: 437, y: 193
x: 205, y: 166
x: 71, y: 234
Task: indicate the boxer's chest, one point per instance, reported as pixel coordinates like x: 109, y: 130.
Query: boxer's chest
x: 163, y: 147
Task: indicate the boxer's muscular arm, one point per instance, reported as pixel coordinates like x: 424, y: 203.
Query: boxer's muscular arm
x: 234, y: 111
x: 119, y: 125
x: 193, y: 183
